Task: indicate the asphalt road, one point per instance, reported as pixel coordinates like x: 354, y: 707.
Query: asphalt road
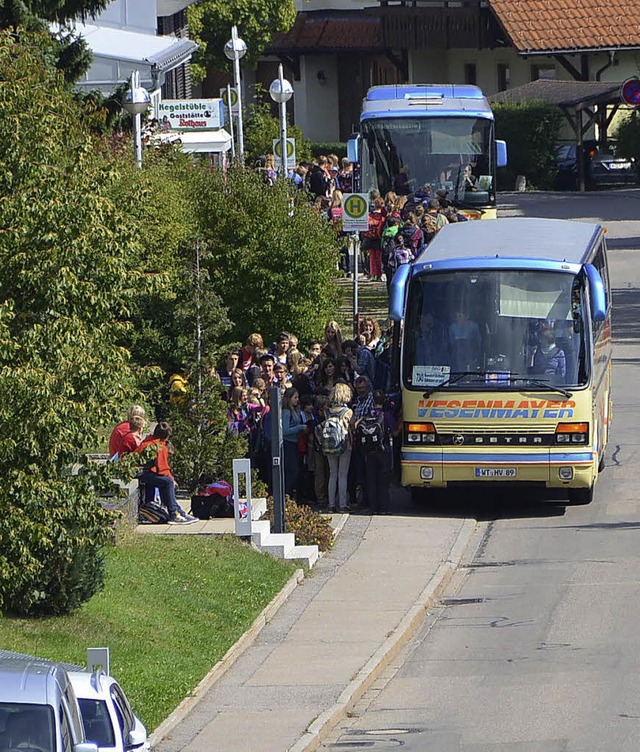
x: 535, y: 647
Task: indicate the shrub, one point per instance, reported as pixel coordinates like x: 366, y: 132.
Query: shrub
x: 531, y: 132
x: 309, y: 527
x: 628, y: 139
x: 339, y: 148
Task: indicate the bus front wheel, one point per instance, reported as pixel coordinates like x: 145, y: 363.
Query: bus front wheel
x: 581, y: 495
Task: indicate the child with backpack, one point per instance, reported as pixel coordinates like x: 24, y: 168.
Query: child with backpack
x: 334, y: 438
x: 373, y: 437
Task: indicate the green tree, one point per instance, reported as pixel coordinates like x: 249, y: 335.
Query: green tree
x: 68, y: 277
x: 273, y: 259
x: 531, y: 132
x: 67, y: 52
x: 210, y: 23
x: 628, y: 139
x: 262, y: 127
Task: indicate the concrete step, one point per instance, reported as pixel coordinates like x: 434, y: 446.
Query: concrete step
x: 279, y: 545
x: 258, y: 508
x: 306, y: 555
x: 260, y: 531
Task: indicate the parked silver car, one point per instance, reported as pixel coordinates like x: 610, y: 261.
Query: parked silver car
x: 106, y: 713
x: 39, y: 710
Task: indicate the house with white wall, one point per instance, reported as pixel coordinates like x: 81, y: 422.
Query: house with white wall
x: 337, y: 49
x: 149, y: 36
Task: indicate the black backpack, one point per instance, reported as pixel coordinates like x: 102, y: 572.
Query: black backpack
x: 153, y: 512
x: 370, y: 434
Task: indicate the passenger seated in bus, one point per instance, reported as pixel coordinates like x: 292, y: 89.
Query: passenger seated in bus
x: 548, y: 358
x: 432, y: 342
x: 465, y: 342
x: 470, y: 180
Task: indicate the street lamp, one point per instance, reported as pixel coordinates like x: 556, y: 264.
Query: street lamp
x: 235, y: 49
x: 281, y: 92
x: 136, y: 101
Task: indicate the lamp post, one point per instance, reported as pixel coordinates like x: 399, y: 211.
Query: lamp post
x: 235, y: 49
x: 136, y: 101
x: 281, y: 92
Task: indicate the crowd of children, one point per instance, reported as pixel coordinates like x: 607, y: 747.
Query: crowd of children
x: 330, y: 390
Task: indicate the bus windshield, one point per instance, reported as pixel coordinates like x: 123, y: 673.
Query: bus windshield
x: 495, y: 329
x: 405, y: 155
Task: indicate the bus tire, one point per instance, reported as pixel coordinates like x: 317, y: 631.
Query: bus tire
x: 601, y: 464
x: 579, y: 496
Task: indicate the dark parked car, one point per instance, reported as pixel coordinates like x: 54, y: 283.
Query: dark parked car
x: 602, y: 167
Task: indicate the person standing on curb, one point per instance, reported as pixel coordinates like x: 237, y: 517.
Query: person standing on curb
x: 373, y: 436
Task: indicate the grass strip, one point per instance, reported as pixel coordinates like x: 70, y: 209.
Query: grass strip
x: 171, y: 608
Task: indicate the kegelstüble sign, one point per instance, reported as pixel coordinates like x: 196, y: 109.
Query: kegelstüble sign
x: 190, y: 114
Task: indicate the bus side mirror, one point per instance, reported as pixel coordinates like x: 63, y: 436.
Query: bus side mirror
x: 396, y: 292
x: 501, y: 153
x: 353, y: 149
x: 597, y: 292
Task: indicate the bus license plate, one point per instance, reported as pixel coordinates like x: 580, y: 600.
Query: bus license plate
x: 496, y: 472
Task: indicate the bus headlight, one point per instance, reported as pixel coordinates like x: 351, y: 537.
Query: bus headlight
x: 426, y: 473
x: 565, y: 473
x: 572, y: 433
x: 420, y: 433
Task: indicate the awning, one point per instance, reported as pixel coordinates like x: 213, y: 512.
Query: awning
x: 117, y: 53
x: 135, y: 47
x: 196, y: 142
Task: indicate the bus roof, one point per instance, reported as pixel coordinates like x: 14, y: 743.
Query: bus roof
x: 476, y: 243
x: 409, y: 100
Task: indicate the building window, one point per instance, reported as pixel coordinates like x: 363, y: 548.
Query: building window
x: 504, y: 76
x: 470, y: 74
x: 545, y: 72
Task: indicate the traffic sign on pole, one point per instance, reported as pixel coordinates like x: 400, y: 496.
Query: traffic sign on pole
x: 291, y: 152
x: 356, y: 212
x: 630, y: 91
x: 234, y: 99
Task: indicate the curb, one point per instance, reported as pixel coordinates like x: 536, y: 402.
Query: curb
x: 409, y: 625
x: 225, y: 663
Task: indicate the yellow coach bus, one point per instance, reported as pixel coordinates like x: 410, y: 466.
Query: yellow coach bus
x: 505, y: 361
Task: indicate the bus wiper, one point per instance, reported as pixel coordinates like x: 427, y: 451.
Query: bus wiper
x: 453, y: 378
x: 542, y: 385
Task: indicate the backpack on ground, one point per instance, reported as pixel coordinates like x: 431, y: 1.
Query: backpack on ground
x: 332, y: 434
x: 153, y: 511
x: 370, y: 436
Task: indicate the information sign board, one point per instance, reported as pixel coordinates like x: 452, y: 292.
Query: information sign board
x: 356, y: 212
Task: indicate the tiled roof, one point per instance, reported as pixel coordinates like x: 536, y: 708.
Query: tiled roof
x: 329, y: 31
x: 569, y: 25
x: 562, y: 93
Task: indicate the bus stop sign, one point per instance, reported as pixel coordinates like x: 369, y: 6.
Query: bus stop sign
x: 630, y: 92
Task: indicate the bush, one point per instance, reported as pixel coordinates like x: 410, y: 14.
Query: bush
x: 339, y: 148
x: 628, y: 139
x: 531, y: 132
x: 309, y: 527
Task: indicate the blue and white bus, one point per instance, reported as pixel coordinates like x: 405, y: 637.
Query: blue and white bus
x: 435, y: 135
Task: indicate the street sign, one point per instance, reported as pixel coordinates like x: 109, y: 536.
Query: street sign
x: 190, y: 114
x: 291, y: 153
x: 356, y: 212
x: 630, y: 91
x: 234, y: 99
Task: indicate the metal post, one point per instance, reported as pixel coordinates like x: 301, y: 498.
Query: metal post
x: 230, y: 108
x: 283, y: 124
x: 355, y: 239
x: 137, y: 139
x: 236, y: 69
x: 277, y: 464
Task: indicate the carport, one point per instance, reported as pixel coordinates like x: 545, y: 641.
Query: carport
x: 585, y: 104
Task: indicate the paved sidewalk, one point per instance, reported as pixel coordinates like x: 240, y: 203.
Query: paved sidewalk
x: 325, y: 645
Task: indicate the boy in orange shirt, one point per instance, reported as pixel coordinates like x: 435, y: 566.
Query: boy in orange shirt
x: 157, y: 472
